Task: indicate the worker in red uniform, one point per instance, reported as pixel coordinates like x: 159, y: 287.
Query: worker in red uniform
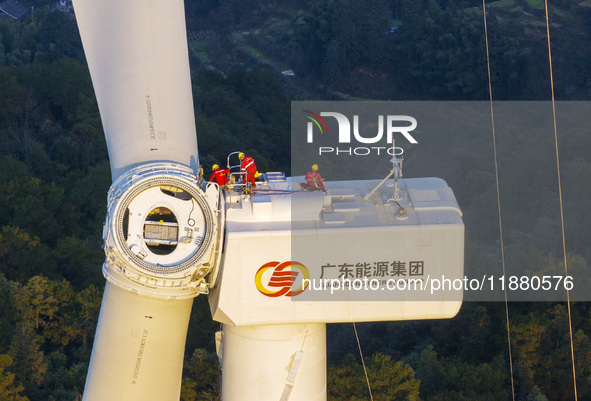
x: 248, y: 168
x: 219, y: 175
x: 314, y: 181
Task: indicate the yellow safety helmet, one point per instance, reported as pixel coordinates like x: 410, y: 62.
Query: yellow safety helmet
x: 214, y: 167
x: 314, y: 166
x: 240, y: 155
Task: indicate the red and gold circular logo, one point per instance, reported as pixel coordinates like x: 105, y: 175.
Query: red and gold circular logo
x: 282, y: 279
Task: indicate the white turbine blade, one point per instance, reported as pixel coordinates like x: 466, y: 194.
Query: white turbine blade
x: 138, y: 349
x: 138, y: 59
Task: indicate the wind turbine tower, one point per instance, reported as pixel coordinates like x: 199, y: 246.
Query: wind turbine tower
x: 169, y: 238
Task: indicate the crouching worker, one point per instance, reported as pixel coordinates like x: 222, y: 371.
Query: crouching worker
x: 314, y: 181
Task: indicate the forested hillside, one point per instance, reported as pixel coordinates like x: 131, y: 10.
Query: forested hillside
x: 54, y: 177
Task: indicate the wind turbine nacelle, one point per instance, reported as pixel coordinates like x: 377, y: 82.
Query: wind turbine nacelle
x: 162, y: 232
x: 366, y: 255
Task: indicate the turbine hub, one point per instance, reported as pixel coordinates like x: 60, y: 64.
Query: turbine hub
x: 162, y: 231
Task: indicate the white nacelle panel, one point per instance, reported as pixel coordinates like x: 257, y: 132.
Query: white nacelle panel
x: 363, y: 260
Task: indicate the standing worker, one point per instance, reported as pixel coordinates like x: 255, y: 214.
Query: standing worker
x: 314, y: 181
x: 219, y: 175
x: 248, y: 168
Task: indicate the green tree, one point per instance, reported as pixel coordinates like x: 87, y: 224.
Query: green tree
x: 246, y: 111
x: 79, y: 260
x: 89, y: 301
x: 9, y: 390
x: 450, y: 379
x: 440, y: 51
x: 30, y: 366
x: 12, y: 96
x: 389, y: 380
x: 554, y: 375
x: 61, y: 84
x: 7, y: 314
x: 65, y: 380
x: 36, y: 302
x: 30, y: 204
x: 202, y: 377
x: 21, y: 254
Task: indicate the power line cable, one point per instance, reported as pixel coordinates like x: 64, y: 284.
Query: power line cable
x: 363, y: 362
x: 570, y: 324
x: 492, y: 117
